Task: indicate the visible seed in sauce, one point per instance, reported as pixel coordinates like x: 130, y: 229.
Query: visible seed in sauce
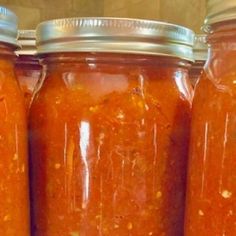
x: 84, y: 205
x: 129, y: 226
x: 201, y: 213
x: 23, y: 168
x: 6, y: 218
x: 141, y: 105
x: 15, y: 157
x: 57, y: 166
x: 150, y: 233
x: 116, y: 226
x: 226, y: 194
x: 74, y: 234
x: 101, y: 135
x: 120, y: 115
x: 141, y: 134
x: 158, y: 194
x: 230, y: 213
x: 93, y: 108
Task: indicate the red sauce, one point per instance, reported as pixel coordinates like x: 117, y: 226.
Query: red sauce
x: 109, y: 143
x: 211, y: 195
x: 14, y: 188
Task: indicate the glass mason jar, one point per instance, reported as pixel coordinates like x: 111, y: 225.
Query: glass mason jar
x: 14, y: 188
x: 28, y: 68
x: 110, y: 128
x: 211, y: 195
x: 200, y: 52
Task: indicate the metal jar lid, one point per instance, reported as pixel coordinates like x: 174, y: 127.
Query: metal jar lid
x: 114, y: 35
x: 200, y: 48
x: 8, y: 27
x: 27, y: 41
x: 219, y: 11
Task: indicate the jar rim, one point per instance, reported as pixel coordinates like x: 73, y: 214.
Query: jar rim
x: 200, y: 48
x: 219, y: 11
x: 114, y: 35
x: 27, y: 41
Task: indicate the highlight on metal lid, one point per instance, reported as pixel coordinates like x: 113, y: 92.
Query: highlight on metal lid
x: 219, y: 11
x: 114, y: 35
x: 200, y: 48
x: 27, y: 41
x: 8, y: 27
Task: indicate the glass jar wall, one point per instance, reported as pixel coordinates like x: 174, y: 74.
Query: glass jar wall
x: 28, y: 69
x: 211, y: 179
x: 200, y: 52
x: 14, y: 188
x: 110, y: 130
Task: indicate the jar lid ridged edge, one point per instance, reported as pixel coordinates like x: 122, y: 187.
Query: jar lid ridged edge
x: 110, y: 30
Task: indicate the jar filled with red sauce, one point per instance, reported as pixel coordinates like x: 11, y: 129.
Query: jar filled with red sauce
x: 109, y: 128
x: 28, y: 69
x: 211, y: 194
x: 14, y: 187
x: 200, y: 52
